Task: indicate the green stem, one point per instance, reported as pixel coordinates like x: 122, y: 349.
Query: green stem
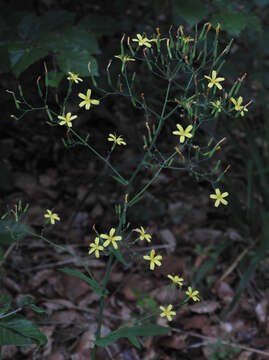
x: 158, y: 130
x: 100, y: 157
x: 101, y: 308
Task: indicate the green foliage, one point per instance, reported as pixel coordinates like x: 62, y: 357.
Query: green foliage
x: 221, y: 351
x: 132, y: 333
x: 96, y: 287
x: 52, y: 34
x: 15, y: 329
x: 146, y: 302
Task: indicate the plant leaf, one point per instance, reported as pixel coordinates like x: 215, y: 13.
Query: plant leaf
x: 131, y: 333
x: 96, y: 287
x: 16, y: 330
x: 191, y: 11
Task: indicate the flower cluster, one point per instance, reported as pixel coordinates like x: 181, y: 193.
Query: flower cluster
x: 66, y: 119
x: 191, y: 294
x: 110, y: 238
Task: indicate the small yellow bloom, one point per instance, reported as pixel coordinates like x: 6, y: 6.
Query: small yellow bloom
x: 238, y: 105
x: 213, y: 80
x: 186, y: 39
x: 95, y: 247
x: 116, y: 140
x: 67, y: 119
x: 219, y: 197
x: 193, y: 294
x: 51, y: 216
x: 110, y: 238
x: 154, y: 260
x: 176, y: 279
x: 143, y: 234
x: 74, y: 77
x: 167, y: 312
x: 142, y: 40
x: 183, y: 133
x: 87, y: 101
x: 216, y: 106
x: 124, y: 58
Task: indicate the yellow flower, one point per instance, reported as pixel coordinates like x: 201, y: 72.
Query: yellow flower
x: 214, y: 80
x: 186, y: 39
x: 238, y: 105
x: 74, y: 77
x: 193, y: 294
x: 154, y: 260
x: 87, y: 101
x: 67, y: 119
x: 219, y: 197
x: 176, y: 279
x: 51, y: 216
x: 183, y: 133
x: 142, y: 40
x: 124, y: 58
x: 167, y: 312
x: 95, y: 247
x: 216, y: 106
x: 143, y: 234
x: 116, y: 140
x: 110, y: 238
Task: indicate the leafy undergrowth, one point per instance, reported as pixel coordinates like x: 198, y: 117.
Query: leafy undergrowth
x: 196, y: 240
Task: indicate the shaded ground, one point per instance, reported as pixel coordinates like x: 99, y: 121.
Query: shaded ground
x: 184, y: 226
x: 37, y: 169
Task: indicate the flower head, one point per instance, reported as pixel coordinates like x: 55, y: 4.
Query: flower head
x: 143, y: 234
x: 116, y: 140
x: 238, y: 105
x: 74, y: 77
x: 176, y: 279
x: 167, y: 312
x: 219, y: 197
x: 52, y: 216
x: 193, y: 294
x: 124, y: 58
x: 66, y: 120
x: 186, y: 39
x: 216, y: 106
x: 87, y: 101
x: 142, y: 40
x: 154, y: 260
x: 183, y: 133
x: 95, y: 247
x: 213, y: 80
x: 110, y: 238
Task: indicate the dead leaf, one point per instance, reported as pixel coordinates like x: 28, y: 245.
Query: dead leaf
x: 204, y: 307
x: 260, y: 310
x: 168, y: 238
x: 196, y: 322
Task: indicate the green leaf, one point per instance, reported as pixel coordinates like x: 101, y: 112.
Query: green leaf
x: 25, y: 300
x: 11, y: 231
x: 54, y: 78
x: 77, y: 61
x: 131, y: 333
x: 5, y: 301
x: 23, y: 55
x: 16, y: 330
x: 232, y: 22
x: 96, y: 287
x: 191, y: 11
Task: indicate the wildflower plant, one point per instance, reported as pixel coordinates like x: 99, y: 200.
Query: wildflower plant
x: 188, y: 82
